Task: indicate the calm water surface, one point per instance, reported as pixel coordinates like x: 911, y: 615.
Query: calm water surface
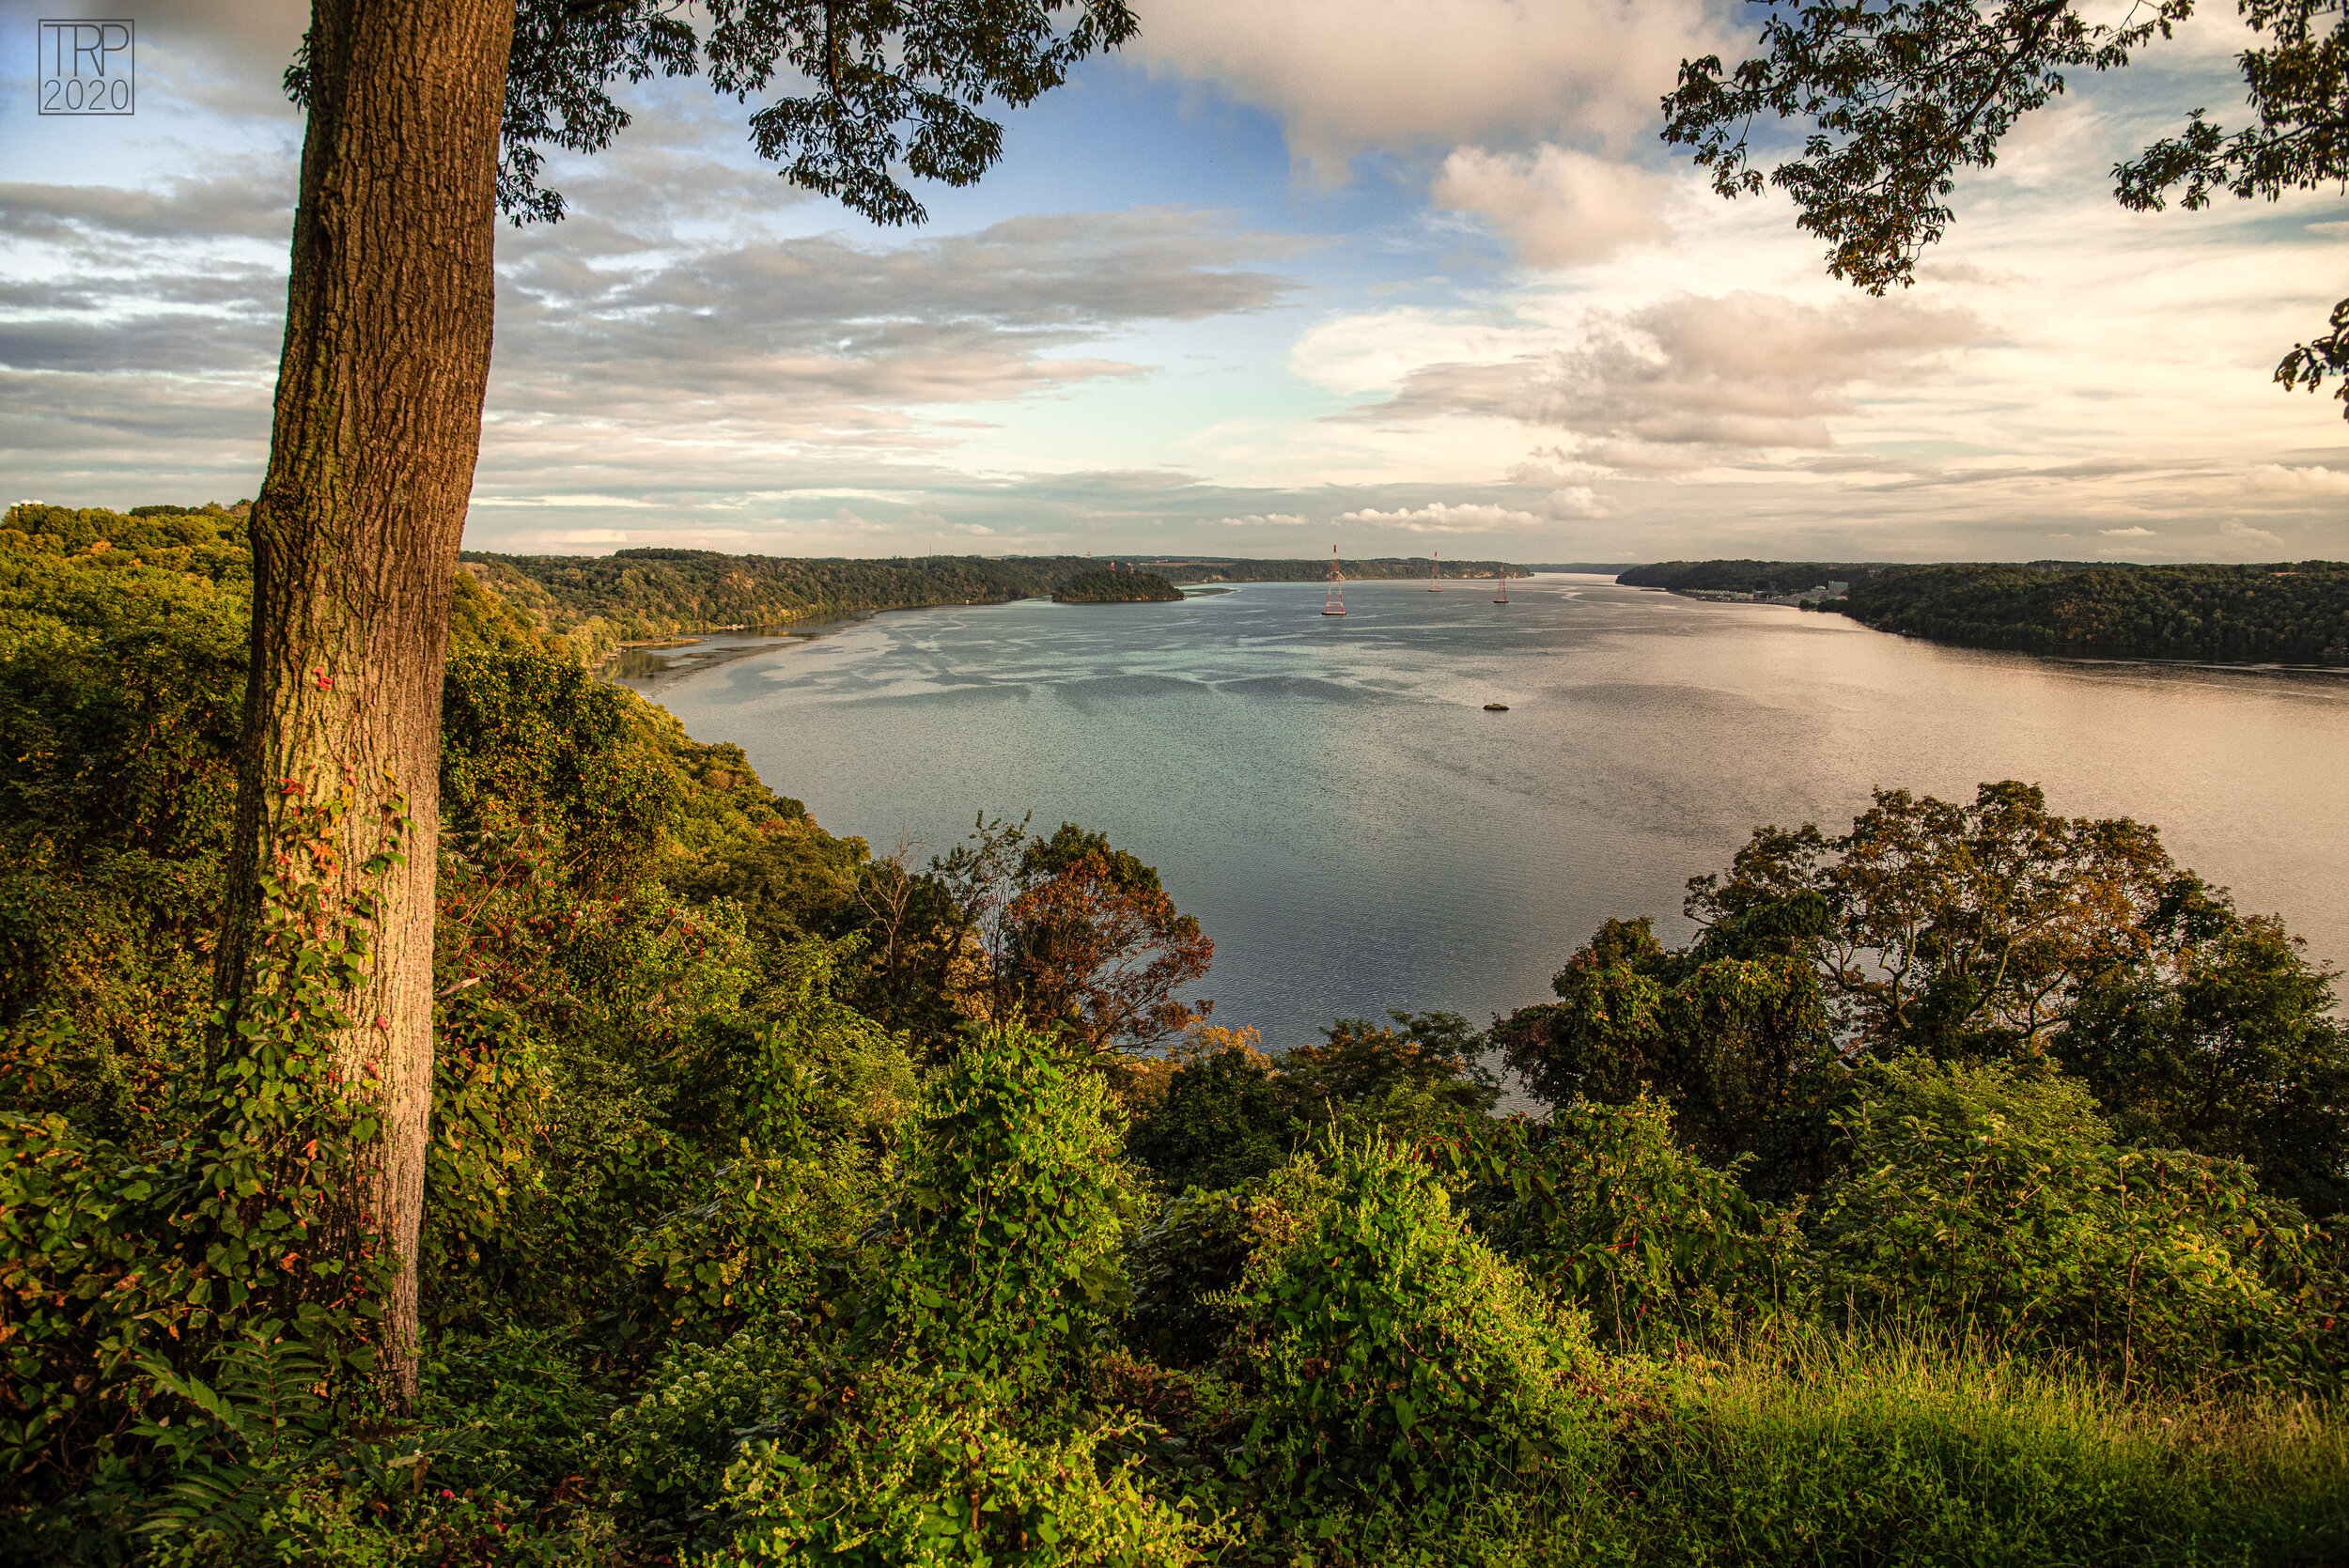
x: 1331, y: 801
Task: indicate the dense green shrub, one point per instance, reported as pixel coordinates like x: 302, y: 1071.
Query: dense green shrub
x: 1182, y: 1265
x: 531, y: 739
x: 1390, y: 1353
x: 1607, y: 1212
x: 1225, y: 1118
x: 1004, y: 1257
x: 1993, y: 930
x: 802, y: 1115
x: 1991, y: 1197
x: 131, y: 1273
x: 915, y: 1473
x: 2238, y: 1050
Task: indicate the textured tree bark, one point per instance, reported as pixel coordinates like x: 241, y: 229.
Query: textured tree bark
x: 356, y: 529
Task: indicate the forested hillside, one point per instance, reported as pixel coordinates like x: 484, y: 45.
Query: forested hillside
x: 1959, y: 1193
x: 1117, y: 587
x: 2295, y: 612
x: 596, y: 602
x: 1749, y: 577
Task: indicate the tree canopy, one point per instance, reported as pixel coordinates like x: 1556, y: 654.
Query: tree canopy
x: 1901, y: 96
x: 1989, y: 931
x: 894, y: 84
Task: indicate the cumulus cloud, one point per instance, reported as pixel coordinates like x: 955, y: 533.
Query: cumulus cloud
x: 2283, y: 479
x: 1347, y: 76
x: 1263, y: 519
x: 1555, y: 207
x: 2126, y: 533
x: 2237, y: 532
x: 1741, y: 370
x: 1470, y: 517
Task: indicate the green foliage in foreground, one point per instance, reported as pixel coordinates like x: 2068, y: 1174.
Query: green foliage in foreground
x: 789, y: 1205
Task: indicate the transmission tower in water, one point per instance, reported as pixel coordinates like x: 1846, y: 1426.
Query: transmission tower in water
x: 1333, y: 603
x: 1501, y: 574
x: 1434, y: 574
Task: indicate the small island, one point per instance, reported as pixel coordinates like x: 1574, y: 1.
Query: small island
x: 1117, y: 587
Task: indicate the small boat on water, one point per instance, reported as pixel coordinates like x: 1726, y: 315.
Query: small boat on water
x: 1496, y: 708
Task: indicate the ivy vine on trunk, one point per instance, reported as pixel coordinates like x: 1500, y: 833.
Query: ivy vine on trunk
x: 427, y: 117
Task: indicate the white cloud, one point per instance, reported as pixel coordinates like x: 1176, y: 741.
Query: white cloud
x: 2126, y: 533
x: 1348, y: 76
x: 1739, y: 370
x: 1440, y: 518
x: 2242, y: 532
x: 1263, y: 519
x: 2279, y: 478
x: 1556, y: 206
x: 1379, y: 351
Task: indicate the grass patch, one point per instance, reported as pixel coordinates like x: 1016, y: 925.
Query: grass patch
x: 1823, y: 1448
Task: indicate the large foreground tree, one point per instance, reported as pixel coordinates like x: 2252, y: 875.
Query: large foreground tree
x: 1902, y: 95
x: 426, y: 118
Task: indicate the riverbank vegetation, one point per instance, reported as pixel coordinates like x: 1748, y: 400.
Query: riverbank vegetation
x: 2292, y: 613
x: 1117, y: 587
x: 595, y: 603
x: 1968, y: 1190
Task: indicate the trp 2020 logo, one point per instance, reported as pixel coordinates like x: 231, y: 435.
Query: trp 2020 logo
x: 86, y: 67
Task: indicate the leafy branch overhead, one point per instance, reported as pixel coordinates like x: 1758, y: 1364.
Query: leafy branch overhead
x: 1901, y: 97
x: 866, y: 87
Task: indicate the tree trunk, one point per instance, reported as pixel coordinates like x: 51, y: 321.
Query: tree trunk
x: 355, y: 534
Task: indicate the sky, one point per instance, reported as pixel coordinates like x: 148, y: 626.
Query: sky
x: 1395, y: 275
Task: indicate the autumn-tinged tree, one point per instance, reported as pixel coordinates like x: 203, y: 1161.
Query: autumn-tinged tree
x: 426, y: 118
x: 1100, y: 946
x: 1070, y: 931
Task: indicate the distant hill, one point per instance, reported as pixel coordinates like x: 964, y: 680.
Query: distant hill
x: 598, y: 602
x: 1194, y: 568
x: 2290, y: 612
x: 1751, y: 577
x: 1117, y: 587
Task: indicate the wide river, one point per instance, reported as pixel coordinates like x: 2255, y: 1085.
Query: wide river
x: 1330, y: 799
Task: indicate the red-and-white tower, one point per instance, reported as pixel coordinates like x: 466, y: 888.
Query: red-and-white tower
x: 1434, y: 574
x: 1333, y: 603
